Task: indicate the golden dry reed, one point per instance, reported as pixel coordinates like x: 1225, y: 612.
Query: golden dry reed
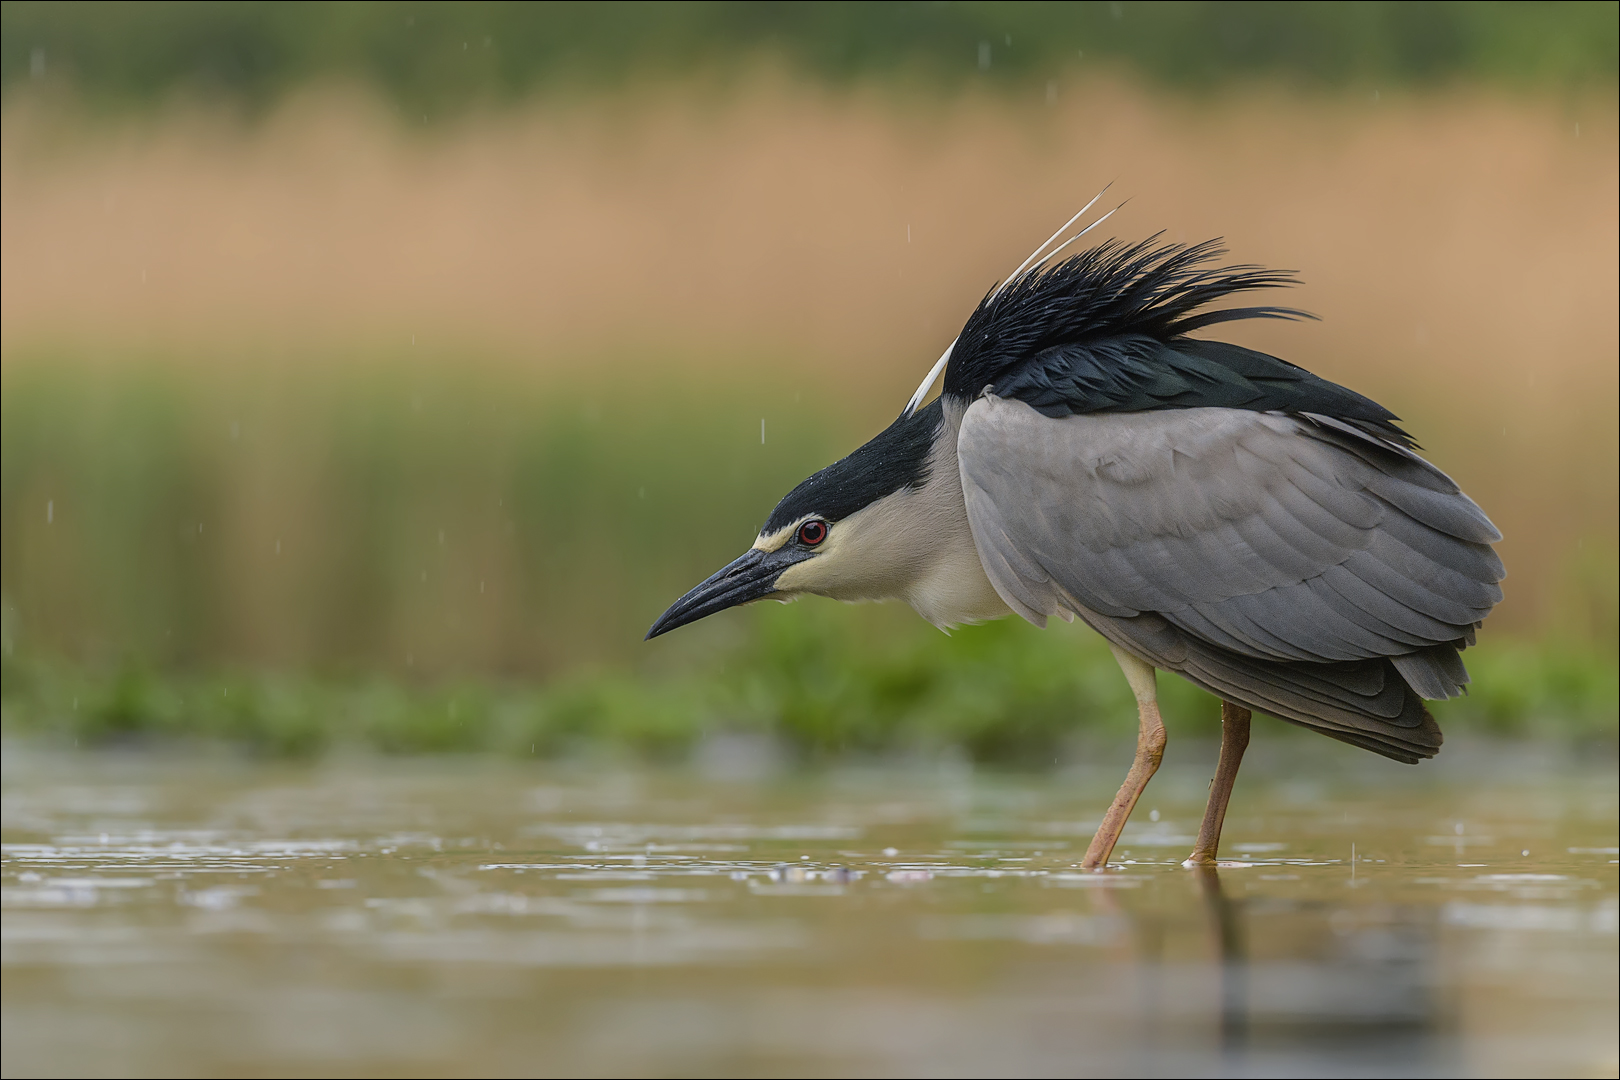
x: 1460, y: 247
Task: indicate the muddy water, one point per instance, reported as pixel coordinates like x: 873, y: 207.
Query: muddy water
x: 206, y: 917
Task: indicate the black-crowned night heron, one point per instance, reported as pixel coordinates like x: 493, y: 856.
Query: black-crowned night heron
x: 1209, y: 510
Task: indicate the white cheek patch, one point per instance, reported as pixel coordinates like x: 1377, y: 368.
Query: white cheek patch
x: 800, y: 577
x: 773, y: 541
x: 822, y: 571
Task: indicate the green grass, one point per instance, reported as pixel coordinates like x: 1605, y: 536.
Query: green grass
x: 827, y: 682
x: 435, y: 59
x: 430, y: 519
x: 423, y: 559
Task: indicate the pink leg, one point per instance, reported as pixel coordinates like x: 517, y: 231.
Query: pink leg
x: 1234, y: 740
x: 1150, y: 740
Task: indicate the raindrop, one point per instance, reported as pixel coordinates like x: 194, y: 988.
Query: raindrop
x: 984, y: 56
x: 236, y: 430
x: 50, y: 511
x: 1458, y: 828
x: 36, y: 68
x: 1153, y: 815
x: 891, y: 852
x: 1051, y: 91
x: 762, y: 431
x: 278, y: 545
x: 441, y: 538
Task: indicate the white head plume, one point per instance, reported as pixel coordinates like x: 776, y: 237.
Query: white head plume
x: 1035, y: 261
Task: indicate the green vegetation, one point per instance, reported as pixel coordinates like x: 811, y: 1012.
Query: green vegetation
x: 824, y: 681
x: 444, y: 552
x: 423, y: 557
x: 437, y: 58
x: 432, y: 517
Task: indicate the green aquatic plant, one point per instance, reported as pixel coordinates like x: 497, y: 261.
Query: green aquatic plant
x: 823, y: 682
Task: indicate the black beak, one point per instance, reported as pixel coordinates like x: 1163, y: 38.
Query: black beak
x: 751, y: 577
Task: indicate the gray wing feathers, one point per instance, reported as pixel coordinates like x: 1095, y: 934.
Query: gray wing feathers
x: 1435, y: 673
x: 1021, y: 583
x: 1258, y: 537
x: 1419, y: 489
x: 1450, y: 512
x: 1361, y: 702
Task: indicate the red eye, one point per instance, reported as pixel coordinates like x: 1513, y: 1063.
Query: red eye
x: 812, y: 533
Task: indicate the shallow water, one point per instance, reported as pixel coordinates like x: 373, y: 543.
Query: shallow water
x: 455, y: 917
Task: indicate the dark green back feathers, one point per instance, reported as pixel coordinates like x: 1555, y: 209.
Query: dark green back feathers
x: 1106, y: 331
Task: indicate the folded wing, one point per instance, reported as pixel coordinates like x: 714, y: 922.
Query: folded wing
x: 1251, y: 551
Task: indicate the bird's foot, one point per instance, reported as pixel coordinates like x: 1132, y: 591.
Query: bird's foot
x: 1196, y: 863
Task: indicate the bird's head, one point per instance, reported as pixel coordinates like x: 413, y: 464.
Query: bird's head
x: 856, y: 530
x: 1104, y: 331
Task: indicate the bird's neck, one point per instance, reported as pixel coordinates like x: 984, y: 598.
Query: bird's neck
x: 947, y: 584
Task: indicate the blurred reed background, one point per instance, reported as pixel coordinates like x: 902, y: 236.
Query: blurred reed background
x: 391, y: 366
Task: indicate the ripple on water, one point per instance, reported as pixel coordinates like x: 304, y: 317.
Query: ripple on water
x: 396, y: 921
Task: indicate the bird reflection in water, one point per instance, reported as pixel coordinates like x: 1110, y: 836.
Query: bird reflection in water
x: 1227, y: 931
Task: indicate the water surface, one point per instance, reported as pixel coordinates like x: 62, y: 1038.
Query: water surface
x: 469, y: 917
